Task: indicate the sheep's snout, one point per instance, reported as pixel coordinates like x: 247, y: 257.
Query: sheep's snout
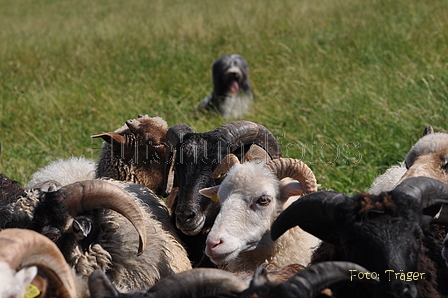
x: 219, y: 251
x: 213, y: 244
x: 189, y: 222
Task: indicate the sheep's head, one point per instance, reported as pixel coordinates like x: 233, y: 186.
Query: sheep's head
x: 193, y: 158
x: 378, y: 232
x: 49, y: 273
x: 71, y: 215
x: 429, y: 157
x: 141, y: 141
x: 251, y: 199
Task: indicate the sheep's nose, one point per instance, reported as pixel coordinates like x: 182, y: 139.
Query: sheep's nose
x: 213, y: 246
x: 186, y: 216
x: 214, y: 243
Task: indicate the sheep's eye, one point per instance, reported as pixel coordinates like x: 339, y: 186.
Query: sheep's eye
x: 264, y: 200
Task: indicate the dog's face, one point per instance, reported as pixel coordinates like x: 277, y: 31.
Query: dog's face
x: 231, y: 75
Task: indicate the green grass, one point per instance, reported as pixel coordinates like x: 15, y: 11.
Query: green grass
x: 348, y: 86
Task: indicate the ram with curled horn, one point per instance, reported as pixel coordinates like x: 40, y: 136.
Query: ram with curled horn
x: 192, y: 157
x: 388, y: 233
x: 252, y: 195
x: 102, y: 225
x: 27, y: 257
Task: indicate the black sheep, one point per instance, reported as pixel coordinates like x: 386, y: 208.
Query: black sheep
x: 385, y: 232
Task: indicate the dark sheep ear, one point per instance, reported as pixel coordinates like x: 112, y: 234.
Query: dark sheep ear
x: 100, y: 286
x: 315, y: 213
x: 82, y: 226
x: 428, y: 130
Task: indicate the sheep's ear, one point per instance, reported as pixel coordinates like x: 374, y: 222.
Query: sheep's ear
x: 82, y: 226
x: 111, y: 138
x: 26, y: 275
x: 288, y: 188
x: 428, y: 131
x: 211, y: 192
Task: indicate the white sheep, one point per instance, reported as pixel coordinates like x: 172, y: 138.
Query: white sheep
x: 64, y: 171
x: 428, y: 157
x: 251, y: 197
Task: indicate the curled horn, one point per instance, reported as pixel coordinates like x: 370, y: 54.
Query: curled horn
x: 22, y: 248
x: 296, y: 169
x: 198, y: 282
x: 239, y: 133
x: 226, y: 163
x: 310, y: 281
x: 96, y: 194
x: 174, y: 136
x: 255, y: 152
x: 316, y: 213
x: 430, y: 192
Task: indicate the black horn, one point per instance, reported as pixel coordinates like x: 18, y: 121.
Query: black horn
x: 315, y: 213
x: 239, y: 133
x: 199, y: 282
x: 430, y: 192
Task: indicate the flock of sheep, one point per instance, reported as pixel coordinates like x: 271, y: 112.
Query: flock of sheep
x: 170, y: 212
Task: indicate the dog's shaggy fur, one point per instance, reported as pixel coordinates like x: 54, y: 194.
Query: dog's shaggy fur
x: 232, y: 93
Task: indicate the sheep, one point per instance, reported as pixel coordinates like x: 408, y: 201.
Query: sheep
x: 28, y: 257
x: 251, y: 198
x: 232, y: 92
x: 64, y: 171
x: 387, y: 234
x: 210, y: 282
x: 191, y: 159
x: 77, y: 218
x: 135, y: 152
x: 10, y: 191
x: 428, y: 157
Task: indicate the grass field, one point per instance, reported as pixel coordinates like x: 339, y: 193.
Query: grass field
x: 347, y: 86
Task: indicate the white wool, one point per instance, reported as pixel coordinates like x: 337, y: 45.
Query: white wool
x: 388, y: 180
x: 14, y: 284
x: 429, y: 144
x: 65, y: 171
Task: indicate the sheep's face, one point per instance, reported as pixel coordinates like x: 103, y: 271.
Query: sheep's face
x: 150, y: 139
x: 429, y: 158
x: 249, y: 205
x: 381, y: 233
x: 141, y: 141
x: 195, y: 161
x: 231, y: 75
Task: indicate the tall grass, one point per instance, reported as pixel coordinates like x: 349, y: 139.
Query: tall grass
x: 347, y: 86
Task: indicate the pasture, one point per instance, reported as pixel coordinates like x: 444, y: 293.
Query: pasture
x: 347, y: 86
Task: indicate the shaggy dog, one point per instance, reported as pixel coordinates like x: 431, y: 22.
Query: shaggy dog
x: 232, y: 93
